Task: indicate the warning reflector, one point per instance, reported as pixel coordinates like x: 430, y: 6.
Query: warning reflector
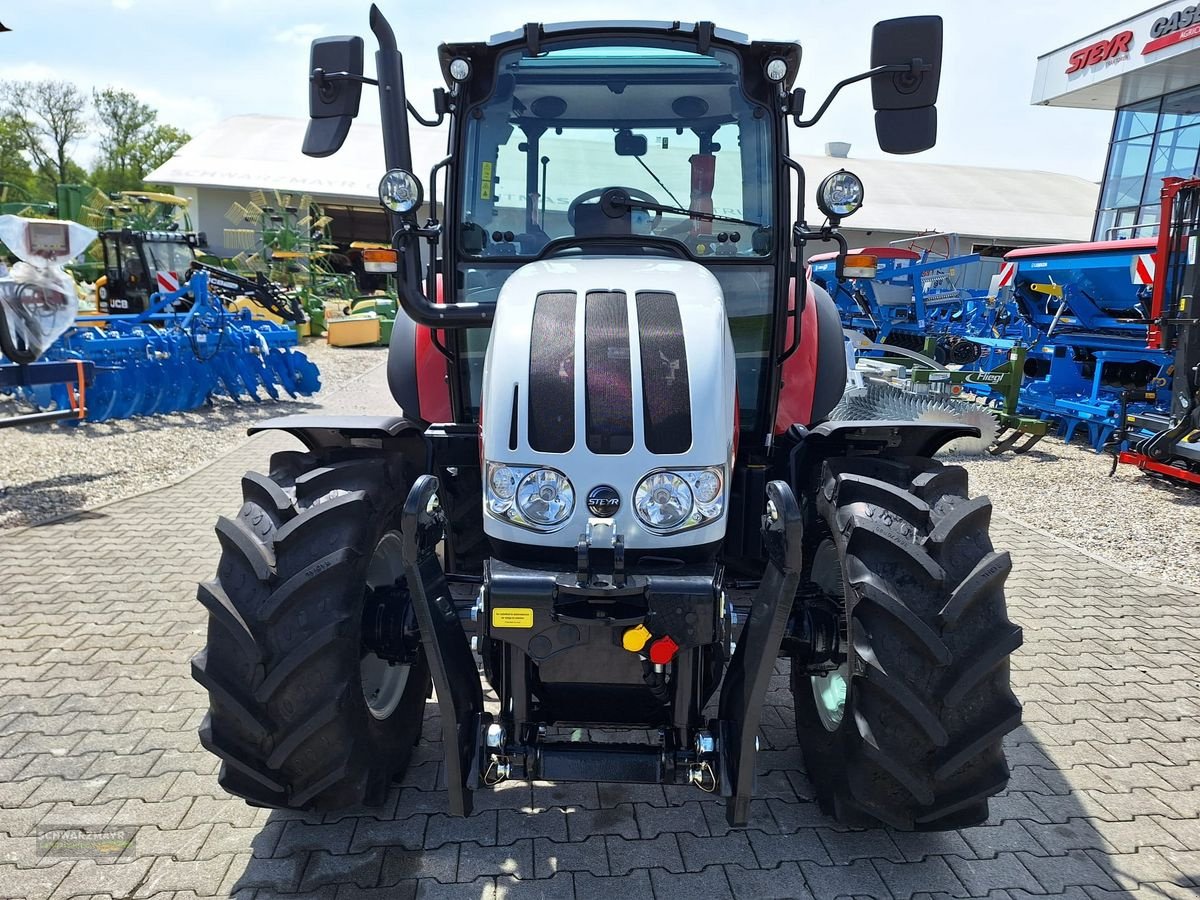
x: 1141, y: 269
x: 167, y: 281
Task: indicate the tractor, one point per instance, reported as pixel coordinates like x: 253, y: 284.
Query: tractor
x: 139, y: 264
x: 613, y: 488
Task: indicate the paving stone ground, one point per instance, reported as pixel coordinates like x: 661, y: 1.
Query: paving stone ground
x: 98, y: 720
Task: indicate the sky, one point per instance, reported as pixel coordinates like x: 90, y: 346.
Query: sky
x: 201, y: 61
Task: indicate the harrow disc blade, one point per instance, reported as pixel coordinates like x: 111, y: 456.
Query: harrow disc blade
x: 884, y: 402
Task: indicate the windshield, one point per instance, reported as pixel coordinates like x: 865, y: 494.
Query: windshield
x: 169, y: 256
x: 671, y: 128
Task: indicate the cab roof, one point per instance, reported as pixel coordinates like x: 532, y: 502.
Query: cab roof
x: 698, y: 37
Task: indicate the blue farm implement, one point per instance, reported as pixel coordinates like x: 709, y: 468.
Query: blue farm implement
x: 1090, y: 361
x: 162, y: 360
x: 902, y: 297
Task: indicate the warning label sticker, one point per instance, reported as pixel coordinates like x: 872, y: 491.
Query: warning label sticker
x: 512, y: 617
x: 485, y: 181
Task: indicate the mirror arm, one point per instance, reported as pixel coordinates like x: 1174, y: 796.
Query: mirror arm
x: 917, y: 65
x: 320, y: 77
x: 428, y: 123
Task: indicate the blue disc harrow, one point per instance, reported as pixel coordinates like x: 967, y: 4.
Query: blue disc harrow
x: 165, y: 360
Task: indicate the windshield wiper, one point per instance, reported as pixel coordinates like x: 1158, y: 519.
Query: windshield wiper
x: 642, y: 163
x: 620, y: 198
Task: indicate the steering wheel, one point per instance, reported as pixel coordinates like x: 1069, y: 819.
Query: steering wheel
x: 596, y: 193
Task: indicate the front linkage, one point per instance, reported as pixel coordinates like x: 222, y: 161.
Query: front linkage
x: 714, y: 755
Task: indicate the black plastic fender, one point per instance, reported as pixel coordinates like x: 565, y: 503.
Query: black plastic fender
x: 320, y: 432
x: 810, y: 446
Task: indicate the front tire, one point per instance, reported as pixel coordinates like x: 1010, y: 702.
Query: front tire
x: 908, y: 730
x: 301, y: 714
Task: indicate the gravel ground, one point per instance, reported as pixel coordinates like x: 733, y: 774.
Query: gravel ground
x: 49, y: 470
x: 1140, y: 523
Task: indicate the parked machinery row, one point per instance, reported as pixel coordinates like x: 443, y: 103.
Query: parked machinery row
x: 1104, y: 334
x: 180, y: 349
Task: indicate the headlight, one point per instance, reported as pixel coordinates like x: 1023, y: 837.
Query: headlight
x: 663, y: 500
x: 503, y: 482
x: 400, y: 191
x: 675, y: 501
x: 546, y: 497
x: 840, y: 194
x: 529, y: 496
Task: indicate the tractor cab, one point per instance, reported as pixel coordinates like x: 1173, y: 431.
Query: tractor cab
x: 625, y: 147
x: 140, y: 263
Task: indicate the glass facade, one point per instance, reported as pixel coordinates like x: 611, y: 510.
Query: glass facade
x: 1152, y: 140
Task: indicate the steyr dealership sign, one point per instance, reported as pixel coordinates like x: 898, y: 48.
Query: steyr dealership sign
x: 1133, y: 60
x: 1180, y: 26
x: 1100, y: 51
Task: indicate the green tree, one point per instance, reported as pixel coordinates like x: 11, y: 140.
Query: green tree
x: 122, y: 119
x: 52, y: 116
x: 14, y: 166
x: 160, y: 145
x: 132, y: 141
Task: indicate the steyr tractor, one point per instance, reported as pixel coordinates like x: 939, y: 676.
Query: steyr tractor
x: 613, y: 486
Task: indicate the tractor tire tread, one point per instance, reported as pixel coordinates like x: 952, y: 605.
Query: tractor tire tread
x: 988, y: 575
x: 287, y: 716
x: 872, y: 594
x: 929, y: 651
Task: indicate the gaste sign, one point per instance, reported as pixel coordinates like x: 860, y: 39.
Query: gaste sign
x: 1181, y: 25
x: 1100, y: 51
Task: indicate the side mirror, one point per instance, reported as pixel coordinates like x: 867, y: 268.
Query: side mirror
x: 905, y: 114
x: 334, y: 91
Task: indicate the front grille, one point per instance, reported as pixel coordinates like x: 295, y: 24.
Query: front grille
x: 606, y: 370
x: 552, y: 373
x: 666, y: 399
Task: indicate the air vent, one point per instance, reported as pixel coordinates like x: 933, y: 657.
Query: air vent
x: 552, y: 373
x: 666, y: 399
x: 606, y: 367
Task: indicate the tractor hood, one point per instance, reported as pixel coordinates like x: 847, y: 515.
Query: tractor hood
x: 607, y: 370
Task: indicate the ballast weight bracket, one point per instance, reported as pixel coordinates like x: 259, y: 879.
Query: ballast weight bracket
x: 745, y: 687
x: 455, y: 677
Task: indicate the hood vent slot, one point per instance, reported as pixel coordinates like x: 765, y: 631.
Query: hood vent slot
x: 552, y: 374
x: 606, y: 368
x: 512, y: 423
x: 666, y: 399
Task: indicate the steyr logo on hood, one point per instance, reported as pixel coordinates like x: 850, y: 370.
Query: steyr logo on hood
x: 603, y: 501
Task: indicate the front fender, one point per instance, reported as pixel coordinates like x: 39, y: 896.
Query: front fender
x: 324, y: 432
x: 887, y: 439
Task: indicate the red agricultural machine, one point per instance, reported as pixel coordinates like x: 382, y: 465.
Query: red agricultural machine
x: 1169, y: 445
x: 613, y: 485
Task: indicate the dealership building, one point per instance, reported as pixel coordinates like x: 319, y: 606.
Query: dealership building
x: 1147, y: 70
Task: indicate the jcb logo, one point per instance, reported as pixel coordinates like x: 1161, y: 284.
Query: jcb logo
x: 1100, y: 51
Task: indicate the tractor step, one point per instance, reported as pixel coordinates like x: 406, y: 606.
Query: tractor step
x: 570, y: 761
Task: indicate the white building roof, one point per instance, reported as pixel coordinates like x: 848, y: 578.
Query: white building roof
x: 1009, y: 205
x: 254, y: 151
